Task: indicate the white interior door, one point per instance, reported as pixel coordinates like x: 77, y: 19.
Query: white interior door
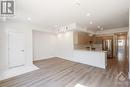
x: 16, y: 49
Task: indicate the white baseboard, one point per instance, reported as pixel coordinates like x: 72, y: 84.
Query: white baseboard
x: 16, y: 71
x: 43, y: 58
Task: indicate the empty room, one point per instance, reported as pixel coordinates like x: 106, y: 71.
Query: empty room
x: 64, y: 43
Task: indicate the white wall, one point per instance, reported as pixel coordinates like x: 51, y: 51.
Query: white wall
x: 43, y: 45
x: 47, y: 45
x: 15, y: 27
x: 3, y: 47
x: 64, y: 45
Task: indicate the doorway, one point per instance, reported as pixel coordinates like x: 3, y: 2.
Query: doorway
x: 122, y: 52
x: 122, y: 46
x: 16, y: 44
x: 119, y: 63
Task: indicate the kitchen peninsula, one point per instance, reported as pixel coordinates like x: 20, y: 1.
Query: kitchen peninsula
x: 86, y: 53
x: 93, y: 58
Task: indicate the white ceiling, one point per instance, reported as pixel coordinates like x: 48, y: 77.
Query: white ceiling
x: 49, y: 13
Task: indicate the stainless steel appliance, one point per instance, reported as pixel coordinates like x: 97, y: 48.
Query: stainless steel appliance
x: 108, y: 46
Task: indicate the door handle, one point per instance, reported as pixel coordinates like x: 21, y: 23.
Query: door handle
x: 22, y: 50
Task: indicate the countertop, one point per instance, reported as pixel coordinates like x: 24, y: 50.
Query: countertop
x: 84, y: 49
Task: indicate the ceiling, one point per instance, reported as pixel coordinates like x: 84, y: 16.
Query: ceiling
x: 51, y: 14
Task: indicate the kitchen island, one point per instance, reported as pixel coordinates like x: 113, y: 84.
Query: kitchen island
x: 89, y: 57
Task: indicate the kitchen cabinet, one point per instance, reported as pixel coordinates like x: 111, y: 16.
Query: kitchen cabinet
x: 81, y: 38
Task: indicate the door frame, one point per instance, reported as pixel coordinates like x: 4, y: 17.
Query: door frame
x: 8, y: 32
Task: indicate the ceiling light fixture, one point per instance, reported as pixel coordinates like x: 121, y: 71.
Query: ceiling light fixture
x: 64, y: 29
x: 79, y: 85
x: 29, y: 19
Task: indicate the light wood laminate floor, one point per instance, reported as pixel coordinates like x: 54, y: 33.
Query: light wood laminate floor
x: 58, y: 72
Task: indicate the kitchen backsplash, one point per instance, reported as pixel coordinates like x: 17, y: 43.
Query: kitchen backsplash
x: 95, y: 46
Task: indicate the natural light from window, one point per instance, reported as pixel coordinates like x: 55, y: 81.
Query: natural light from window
x: 79, y: 85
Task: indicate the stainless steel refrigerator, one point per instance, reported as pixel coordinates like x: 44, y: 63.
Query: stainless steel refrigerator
x: 108, y: 46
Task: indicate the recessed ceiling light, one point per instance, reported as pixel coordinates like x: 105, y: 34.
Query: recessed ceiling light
x: 79, y: 85
x: 29, y: 19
